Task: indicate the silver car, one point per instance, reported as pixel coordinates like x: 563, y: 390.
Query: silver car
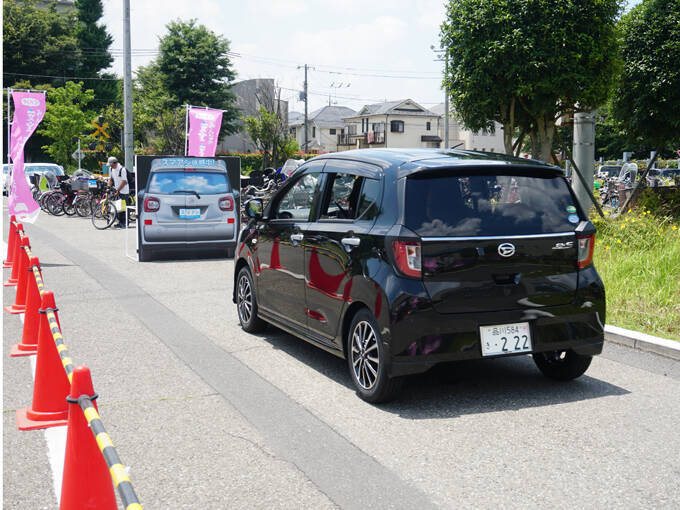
x: 188, y: 203
x: 30, y: 169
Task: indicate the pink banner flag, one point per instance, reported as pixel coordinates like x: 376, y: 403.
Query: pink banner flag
x: 29, y: 110
x: 204, y: 130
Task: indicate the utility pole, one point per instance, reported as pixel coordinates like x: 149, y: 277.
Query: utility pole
x: 446, y: 103
x: 306, y: 101
x: 438, y: 52
x: 127, y: 88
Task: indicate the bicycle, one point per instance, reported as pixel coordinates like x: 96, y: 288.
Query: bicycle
x: 104, y: 212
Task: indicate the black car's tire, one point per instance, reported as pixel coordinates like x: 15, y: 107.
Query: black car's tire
x: 562, y: 365
x: 367, y: 360
x: 246, y: 303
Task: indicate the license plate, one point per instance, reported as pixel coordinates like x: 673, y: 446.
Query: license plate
x: 505, y: 339
x: 188, y: 214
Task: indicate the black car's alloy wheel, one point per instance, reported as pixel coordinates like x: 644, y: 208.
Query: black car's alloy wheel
x: 366, y: 358
x: 562, y: 365
x: 246, y: 303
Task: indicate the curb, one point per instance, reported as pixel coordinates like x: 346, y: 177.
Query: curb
x: 642, y: 342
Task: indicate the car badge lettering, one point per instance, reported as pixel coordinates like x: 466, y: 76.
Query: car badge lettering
x: 506, y: 249
x: 563, y: 246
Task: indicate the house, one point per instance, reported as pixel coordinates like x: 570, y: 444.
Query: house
x: 324, y: 125
x: 250, y: 95
x: 462, y: 138
x: 402, y: 123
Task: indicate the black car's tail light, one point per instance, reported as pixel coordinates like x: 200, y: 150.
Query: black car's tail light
x: 151, y: 204
x: 586, y: 244
x: 226, y: 204
x: 407, y: 256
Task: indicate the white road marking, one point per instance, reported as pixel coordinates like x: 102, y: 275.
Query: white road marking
x: 55, y: 437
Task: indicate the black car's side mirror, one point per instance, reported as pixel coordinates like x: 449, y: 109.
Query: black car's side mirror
x: 254, y: 208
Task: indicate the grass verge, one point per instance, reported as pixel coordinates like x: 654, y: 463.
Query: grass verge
x: 638, y: 258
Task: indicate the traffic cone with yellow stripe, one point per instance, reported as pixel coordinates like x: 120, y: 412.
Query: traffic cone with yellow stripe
x: 86, y: 482
x: 29, y: 339
x: 14, y: 277
x: 49, y: 407
x: 11, y: 241
x: 19, y: 305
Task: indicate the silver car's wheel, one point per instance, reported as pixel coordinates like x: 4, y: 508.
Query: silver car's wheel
x: 246, y: 303
x: 365, y: 361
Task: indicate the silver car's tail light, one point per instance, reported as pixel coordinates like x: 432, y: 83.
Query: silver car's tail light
x: 226, y: 204
x: 151, y: 204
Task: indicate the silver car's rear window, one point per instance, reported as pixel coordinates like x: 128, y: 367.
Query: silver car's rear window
x: 204, y: 183
x: 488, y: 205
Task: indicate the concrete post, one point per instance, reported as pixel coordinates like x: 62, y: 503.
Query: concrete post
x: 584, y: 155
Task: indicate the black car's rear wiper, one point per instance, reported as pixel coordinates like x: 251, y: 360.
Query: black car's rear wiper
x: 191, y: 191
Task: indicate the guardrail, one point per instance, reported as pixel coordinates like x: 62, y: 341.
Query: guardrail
x: 62, y: 393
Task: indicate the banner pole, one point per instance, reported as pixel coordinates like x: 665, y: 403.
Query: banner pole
x: 186, y: 128
x: 10, y: 167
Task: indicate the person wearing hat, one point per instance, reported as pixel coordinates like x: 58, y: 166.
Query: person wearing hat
x: 118, y: 179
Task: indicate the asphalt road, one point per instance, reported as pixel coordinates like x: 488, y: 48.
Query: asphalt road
x: 208, y: 416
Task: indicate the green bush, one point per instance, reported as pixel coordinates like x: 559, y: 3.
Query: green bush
x: 661, y: 202
x: 253, y: 160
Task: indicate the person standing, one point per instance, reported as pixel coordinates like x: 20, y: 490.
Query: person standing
x: 119, y: 180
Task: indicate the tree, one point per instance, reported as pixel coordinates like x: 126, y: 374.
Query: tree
x: 194, y: 66
x: 157, y: 113
x: 647, y: 97
x: 263, y: 130
x: 524, y: 63
x: 38, y: 43
x: 94, y: 41
x: 66, y: 119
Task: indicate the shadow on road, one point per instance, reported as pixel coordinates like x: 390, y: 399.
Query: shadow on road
x: 458, y: 388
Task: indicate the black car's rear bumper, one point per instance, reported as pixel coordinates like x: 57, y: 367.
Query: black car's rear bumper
x: 427, y: 337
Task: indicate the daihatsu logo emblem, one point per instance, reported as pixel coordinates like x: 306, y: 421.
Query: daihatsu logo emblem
x: 506, y: 249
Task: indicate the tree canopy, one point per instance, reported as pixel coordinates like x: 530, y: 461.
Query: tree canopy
x: 194, y: 66
x: 38, y: 43
x: 66, y: 118
x: 524, y: 63
x: 647, y: 98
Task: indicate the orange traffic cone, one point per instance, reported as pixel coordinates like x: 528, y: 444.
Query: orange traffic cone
x: 14, y: 278
x: 19, y: 305
x: 87, y: 481
x: 49, y: 408
x: 11, y: 240
x: 29, y: 339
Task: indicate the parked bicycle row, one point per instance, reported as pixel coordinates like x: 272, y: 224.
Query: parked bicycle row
x: 83, y: 197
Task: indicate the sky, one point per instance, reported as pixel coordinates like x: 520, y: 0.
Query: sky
x: 361, y: 52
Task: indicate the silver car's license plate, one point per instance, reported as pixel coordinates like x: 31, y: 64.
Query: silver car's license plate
x: 188, y: 214
x: 505, y: 339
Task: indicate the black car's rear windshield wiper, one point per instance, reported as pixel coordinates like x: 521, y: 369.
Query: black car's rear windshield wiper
x: 190, y: 191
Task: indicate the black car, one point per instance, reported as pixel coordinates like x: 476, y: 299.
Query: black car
x: 401, y: 259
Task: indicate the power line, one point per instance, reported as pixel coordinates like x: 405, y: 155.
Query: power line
x: 60, y: 77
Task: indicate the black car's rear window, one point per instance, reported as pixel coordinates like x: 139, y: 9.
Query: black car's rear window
x: 204, y: 183
x: 488, y: 205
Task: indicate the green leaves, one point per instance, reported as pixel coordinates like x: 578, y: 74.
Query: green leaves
x: 65, y: 119
x: 647, y: 98
x: 543, y: 56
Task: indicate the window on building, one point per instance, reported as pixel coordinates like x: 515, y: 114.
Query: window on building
x: 332, y: 131
x: 428, y: 125
x: 292, y: 131
x: 397, y: 126
x: 313, y: 131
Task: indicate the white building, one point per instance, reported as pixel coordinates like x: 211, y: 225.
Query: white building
x: 462, y: 138
x: 324, y: 125
x: 403, y: 124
